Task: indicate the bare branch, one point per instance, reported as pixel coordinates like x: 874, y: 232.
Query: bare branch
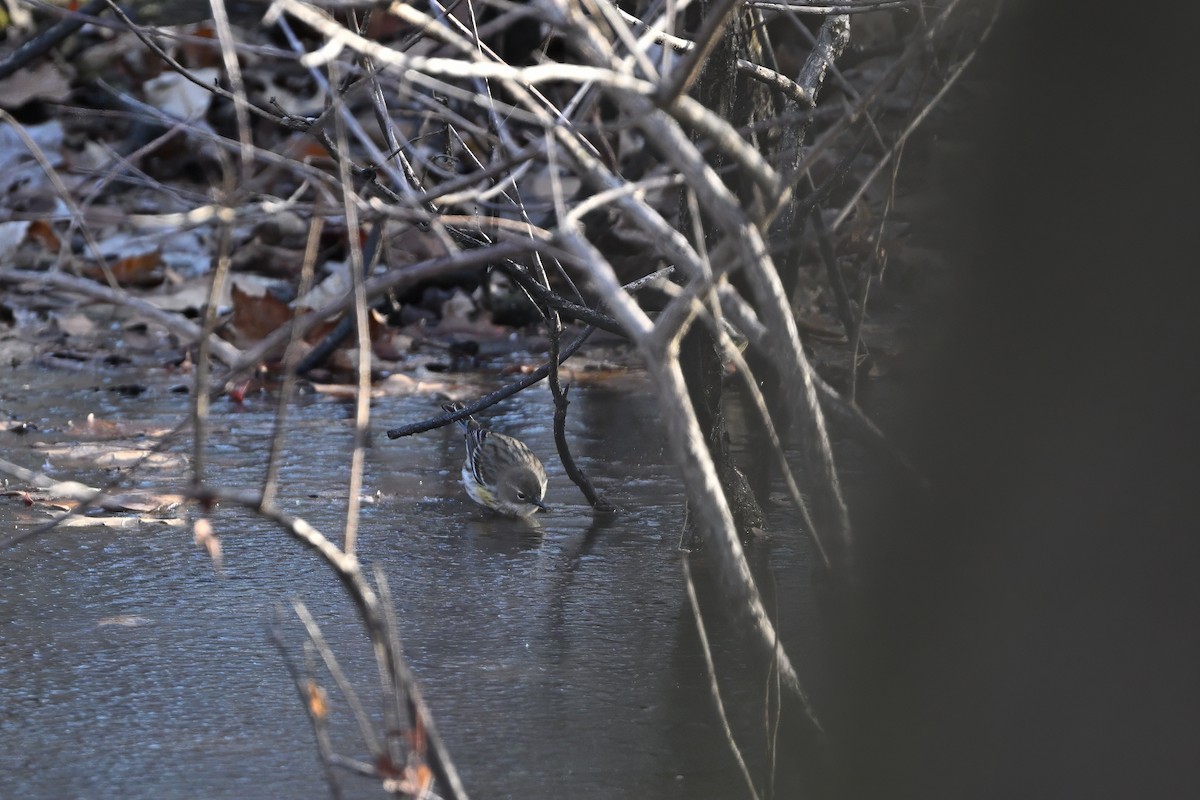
x: 188, y: 331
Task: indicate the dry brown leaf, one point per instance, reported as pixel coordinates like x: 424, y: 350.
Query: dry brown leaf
x: 257, y: 316
x: 42, y: 233
x: 139, y: 270
x: 143, y: 269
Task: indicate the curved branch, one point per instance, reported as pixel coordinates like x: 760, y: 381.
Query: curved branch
x: 346, y: 567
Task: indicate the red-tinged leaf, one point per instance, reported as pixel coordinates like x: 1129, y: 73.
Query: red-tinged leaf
x: 306, y: 149
x: 237, y: 393
x: 144, y: 269
x: 141, y: 270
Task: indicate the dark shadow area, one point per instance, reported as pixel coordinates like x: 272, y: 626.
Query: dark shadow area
x: 1031, y: 631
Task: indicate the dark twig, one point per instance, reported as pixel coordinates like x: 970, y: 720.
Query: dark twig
x: 345, y: 326
x: 577, y: 476
x: 489, y: 400
x: 505, y: 392
x: 46, y: 41
x: 829, y: 258
x: 548, y: 297
x: 711, y: 32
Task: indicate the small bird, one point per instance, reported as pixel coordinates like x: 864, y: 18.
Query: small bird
x: 500, y: 472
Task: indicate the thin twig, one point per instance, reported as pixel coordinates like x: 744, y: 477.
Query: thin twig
x: 525, y: 382
x: 291, y: 356
x: 578, y: 477
x: 349, y: 572
x: 358, y: 266
x: 834, y: 273
x: 711, y: 671
x: 313, y: 631
x: 46, y: 41
x: 488, y: 400
x: 200, y: 397
x: 319, y: 726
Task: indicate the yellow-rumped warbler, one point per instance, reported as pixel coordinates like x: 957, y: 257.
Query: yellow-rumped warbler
x: 500, y: 472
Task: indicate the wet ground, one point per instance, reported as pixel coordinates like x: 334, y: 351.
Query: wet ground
x: 559, y: 660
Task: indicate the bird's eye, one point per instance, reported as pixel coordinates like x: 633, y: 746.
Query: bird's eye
x: 521, y: 496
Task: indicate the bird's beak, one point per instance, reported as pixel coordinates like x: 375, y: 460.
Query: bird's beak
x: 541, y: 505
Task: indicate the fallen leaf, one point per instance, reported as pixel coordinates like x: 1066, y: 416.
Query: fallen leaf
x: 42, y: 233
x: 12, y: 234
x: 141, y: 270
x: 399, y: 385
x: 116, y: 523
x: 334, y: 287
x: 255, y: 316
x: 174, y: 94
x: 142, y: 502
x: 77, y: 324
x: 41, y: 82
x: 458, y: 310
x: 96, y: 428
x: 124, y: 621
x: 109, y: 456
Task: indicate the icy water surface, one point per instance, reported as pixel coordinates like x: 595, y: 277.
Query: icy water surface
x: 558, y: 661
